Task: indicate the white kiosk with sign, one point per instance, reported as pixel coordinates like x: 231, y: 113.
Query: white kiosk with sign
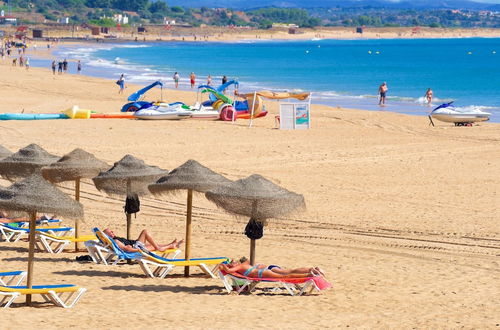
x: 295, y: 115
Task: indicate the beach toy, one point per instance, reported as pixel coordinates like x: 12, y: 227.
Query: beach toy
x: 119, y: 115
x: 227, y: 113
x: 469, y: 53
x: 76, y: 113
x: 32, y: 116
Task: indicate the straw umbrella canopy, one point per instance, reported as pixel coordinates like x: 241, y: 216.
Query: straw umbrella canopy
x: 190, y: 176
x: 32, y: 195
x: 128, y: 177
x: 24, y: 162
x: 74, y: 166
x: 257, y: 198
x: 4, y: 152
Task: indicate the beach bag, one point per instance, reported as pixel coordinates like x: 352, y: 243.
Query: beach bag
x: 118, y: 82
x: 132, y: 204
x: 254, y: 229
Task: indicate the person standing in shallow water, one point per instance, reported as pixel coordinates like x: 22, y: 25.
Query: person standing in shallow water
x: 382, y: 90
x: 192, y: 79
x: 176, y: 78
x: 428, y: 96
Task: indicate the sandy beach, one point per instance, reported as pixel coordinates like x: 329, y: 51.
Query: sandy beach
x: 402, y: 216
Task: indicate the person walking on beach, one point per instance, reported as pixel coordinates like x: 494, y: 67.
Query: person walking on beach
x: 54, y: 67
x: 209, y: 80
x: 65, y: 66
x: 59, y: 67
x: 79, y: 67
x: 192, y: 78
x: 176, y: 78
x: 382, y: 90
x: 27, y: 63
x: 121, y: 82
x: 428, y: 96
x: 224, y: 80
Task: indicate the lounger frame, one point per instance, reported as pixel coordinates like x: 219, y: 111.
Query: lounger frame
x: 65, y: 299
x: 236, y: 284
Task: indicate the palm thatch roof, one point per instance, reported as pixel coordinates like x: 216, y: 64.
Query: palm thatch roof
x: 4, y: 152
x: 255, y: 197
x: 25, y: 162
x: 75, y: 165
x: 190, y: 175
x: 128, y: 169
x: 35, y: 194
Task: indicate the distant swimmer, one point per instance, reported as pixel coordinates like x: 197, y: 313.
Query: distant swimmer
x: 428, y: 96
x: 382, y: 90
x: 209, y: 80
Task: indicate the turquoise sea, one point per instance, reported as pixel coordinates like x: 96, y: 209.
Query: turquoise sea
x: 338, y: 72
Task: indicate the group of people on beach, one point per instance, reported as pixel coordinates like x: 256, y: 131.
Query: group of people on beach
x: 382, y: 92
x: 62, y: 66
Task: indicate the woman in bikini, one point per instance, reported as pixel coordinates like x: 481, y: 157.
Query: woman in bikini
x: 145, y: 238
x: 244, y: 268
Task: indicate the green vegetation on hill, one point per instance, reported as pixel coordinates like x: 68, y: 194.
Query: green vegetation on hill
x: 156, y: 11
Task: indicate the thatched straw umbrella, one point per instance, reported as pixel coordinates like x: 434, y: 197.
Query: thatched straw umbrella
x: 33, y: 195
x: 257, y: 198
x: 4, y: 152
x: 127, y: 177
x: 190, y: 176
x: 24, y: 162
x: 74, y: 166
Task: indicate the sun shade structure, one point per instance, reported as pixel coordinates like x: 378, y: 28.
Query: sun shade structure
x: 127, y: 177
x: 34, y: 194
x: 257, y: 198
x: 25, y: 162
x: 4, y: 152
x: 190, y: 176
x: 74, y: 166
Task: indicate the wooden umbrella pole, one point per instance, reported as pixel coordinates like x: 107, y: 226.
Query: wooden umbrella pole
x: 77, y: 198
x: 31, y: 254
x: 187, y: 253
x: 129, y: 216
x: 252, y: 252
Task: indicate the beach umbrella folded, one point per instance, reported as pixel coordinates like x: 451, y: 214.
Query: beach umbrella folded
x: 190, y: 176
x: 74, y: 166
x: 128, y: 177
x: 4, y: 152
x: 25, y: 162
x: 257, y: 198
x: 34, y: 194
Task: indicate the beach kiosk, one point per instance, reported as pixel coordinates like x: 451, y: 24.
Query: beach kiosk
x: 295, y: 113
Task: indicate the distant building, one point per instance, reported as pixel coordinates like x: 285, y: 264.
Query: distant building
x: 120, y: 19
x: 8, y: 19
x: 168, y: 21
x: 285, y: 26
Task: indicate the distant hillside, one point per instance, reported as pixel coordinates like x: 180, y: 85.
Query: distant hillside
x: 415, y: 4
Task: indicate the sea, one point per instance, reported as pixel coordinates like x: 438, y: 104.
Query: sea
x: 345, y: 73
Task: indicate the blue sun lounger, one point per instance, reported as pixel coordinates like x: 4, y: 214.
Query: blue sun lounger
x: 8, y: 278
x: 14, y: 234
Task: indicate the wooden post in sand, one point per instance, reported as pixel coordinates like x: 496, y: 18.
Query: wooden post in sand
x: 77, y: 198
x: 252, y: 252
x: 187, y: 253
x: 129, y: 216
x: 31, y: 254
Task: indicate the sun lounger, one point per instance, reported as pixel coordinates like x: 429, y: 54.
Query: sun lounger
x: 155, y: 266
x: 235, y: 282
x: 108, y: 252
x: 41, y: 223
x: 56, y: 244
x: 59, y: 295
x: 8, y: 278
x: 14, y: 234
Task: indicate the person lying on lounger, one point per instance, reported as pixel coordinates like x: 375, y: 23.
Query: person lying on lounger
x: 244, y: 268
x: 146, y: 239
x: 4, y: 218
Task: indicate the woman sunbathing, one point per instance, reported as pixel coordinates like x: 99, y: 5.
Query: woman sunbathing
x: 128, y: 244
x: 244, y: 268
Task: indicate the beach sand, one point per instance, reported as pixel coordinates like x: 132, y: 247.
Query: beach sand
x: 402, y: 216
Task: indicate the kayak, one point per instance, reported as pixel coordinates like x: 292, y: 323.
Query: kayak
x: 32, y: 116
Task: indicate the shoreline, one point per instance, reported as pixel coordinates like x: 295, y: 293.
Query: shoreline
x: 400, y: 104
